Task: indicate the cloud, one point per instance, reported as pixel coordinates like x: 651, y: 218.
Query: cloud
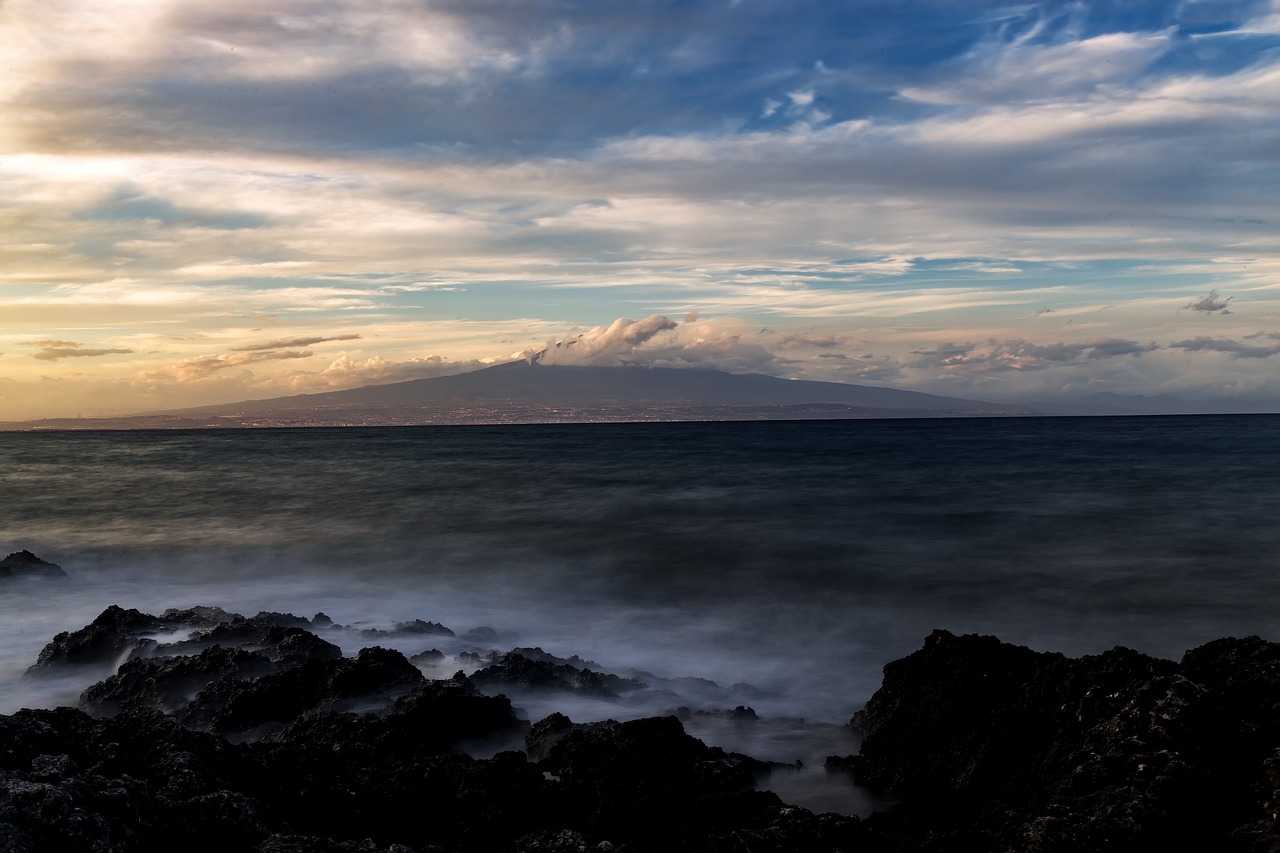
x: 803, y: 341
x: 1023, y: 355
x: 347, y: 372
x: 607, y: 345
x: 53, y: 350
x: 293, y: 342
x: 1233, y: 348
x: 942, y: 173
x: 708, y: 344
x: 50, y: 343
x: 200, y: 367
x: 1029, y: 67
x: 1210, y: 303
x: 857, y: 368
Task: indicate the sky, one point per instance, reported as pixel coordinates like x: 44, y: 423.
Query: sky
x: 209, y: 202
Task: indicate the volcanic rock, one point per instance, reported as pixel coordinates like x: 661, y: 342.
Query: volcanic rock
x: 417, y: 626
x: 1014, y: 749
x: 518, y: 671
x: 25, y: 564
x: 106, y: 639
x: 168, y: 684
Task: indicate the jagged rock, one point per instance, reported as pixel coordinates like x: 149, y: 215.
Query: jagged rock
x: 430, y: 657
x: 201, y: 616
x: 107, y: 639
x: 546, y: 732
x: 741, y: 713
x: 536, y: 653
x: 987, y: 746
x: 617, y: 773
x: 25, y: 564
x: 376, y: 677
x: 119, y: 785
x: 308, y: 773
x: 514, y: 670
x: 260, y: 631
x: 394, y: 778
x: 168, y: 684
x: 1016, y: 749
x: 482, y: 634
x: 417, y: 626
x: 295, y: 645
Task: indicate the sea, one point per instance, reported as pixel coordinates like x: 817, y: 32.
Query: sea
x: 775, y: 565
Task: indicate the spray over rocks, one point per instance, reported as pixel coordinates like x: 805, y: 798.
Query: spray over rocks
x: 208, y: 727
x: 200, y: 728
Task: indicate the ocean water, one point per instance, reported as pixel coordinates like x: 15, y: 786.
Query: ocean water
x: 791, y: 559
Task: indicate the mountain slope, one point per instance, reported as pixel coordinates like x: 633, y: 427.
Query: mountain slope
x: 523, y: 382
x: 530, y: 392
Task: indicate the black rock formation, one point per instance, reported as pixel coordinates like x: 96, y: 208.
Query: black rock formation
x: 996, y: 747
x: 115, y: 633
x: 552, y: 674
x: 24, y: 564
x: 255, y: 734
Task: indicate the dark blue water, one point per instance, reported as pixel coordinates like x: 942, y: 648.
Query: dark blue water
x: 797, y: 556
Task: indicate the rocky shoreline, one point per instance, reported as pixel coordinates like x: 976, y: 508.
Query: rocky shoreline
x: 211, y: 730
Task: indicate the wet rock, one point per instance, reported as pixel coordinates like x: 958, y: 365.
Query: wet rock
x: 169, y: 684
x: 293, y: 645
x: 1015, y: 749
x: 394, y: 778
x: 375, y: 678
x: 107, y: 639
x: 621, y: 775
x: 363, y: 753
x: 985, y: 746
x: 740, y: 714
x: 481, y: 634
x: 536, y: 653
x: 261, y: 631
x: 198, y: 617
x: 112, y: 787
x: 514, y: 670
x: 430, y: 657
x: 415, y: 627
x: 24, y: 564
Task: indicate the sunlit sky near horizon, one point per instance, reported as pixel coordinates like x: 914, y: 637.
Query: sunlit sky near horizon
x: 202, y: 203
